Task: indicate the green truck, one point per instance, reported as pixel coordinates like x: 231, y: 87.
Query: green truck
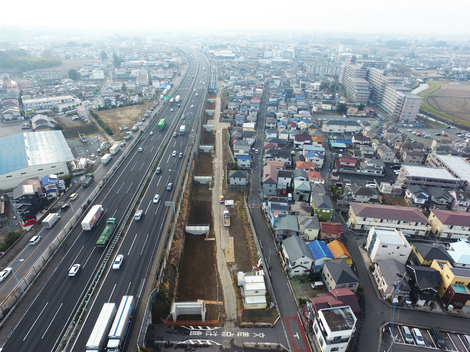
x: 88, y: 180
x: 107, y: 232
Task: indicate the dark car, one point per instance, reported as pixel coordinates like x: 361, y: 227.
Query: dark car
x: 65, y: 206
x: 436, y: 334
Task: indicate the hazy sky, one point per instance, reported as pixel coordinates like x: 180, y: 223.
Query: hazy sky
x: 424, y: 17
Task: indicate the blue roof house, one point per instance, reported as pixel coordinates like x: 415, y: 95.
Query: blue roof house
x: 321, y: 253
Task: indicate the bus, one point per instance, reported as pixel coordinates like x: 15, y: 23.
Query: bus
x: 161, y: 124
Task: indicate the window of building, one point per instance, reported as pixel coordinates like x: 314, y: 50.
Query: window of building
x: 9, y: 176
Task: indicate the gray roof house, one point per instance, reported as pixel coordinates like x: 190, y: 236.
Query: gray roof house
x: 297, y: 256
x: 301, y: 190
x: 286, y: 226
x: 309, y: 227
x: 301, y: 208
x: 337, y: 274
x: 238, y: 177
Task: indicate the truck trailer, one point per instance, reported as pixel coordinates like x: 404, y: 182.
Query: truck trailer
x: 177, y: 99
x: 50, y: 220
x: 99, y: 334
x: 107, y: 232
x: 121, y: 324
x: 114, y: 149
x: 226, y: 218
x: 182, y: 129
x: 106, y: 159
x: 92, y: 217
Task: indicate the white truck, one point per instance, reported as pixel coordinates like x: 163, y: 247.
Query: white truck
x: 50, y: 220
x: 114, y: 149
x: 226, y: 218
x: 99, y: 334
x: 106, y: 159
x: 121, y: 324
x: 182, y: 129
x: 92, y: 217
x: 177, y: 99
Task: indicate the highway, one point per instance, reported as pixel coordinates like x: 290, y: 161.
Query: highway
x: 45, y: 321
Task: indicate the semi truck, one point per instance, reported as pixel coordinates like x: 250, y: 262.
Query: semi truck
x: 50, y: 220
x: 87, y: 180
x: 107, y: 232
x: 120, y: 324
x: 114, y: 149
x: 105, y: 159
x: 92, y: 217
x: 99, y: 334
x: 182, y: 129
x: 226, y: 218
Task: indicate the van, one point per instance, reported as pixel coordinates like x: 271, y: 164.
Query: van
x: 317, y: 284
x: 289, y: 197
x: 34, y: 240
x: 138, y: 214
x: 438, y: 338
x: 407, y: 334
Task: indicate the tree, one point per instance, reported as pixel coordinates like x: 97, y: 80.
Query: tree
x: 324, y: 85
x: 342, y: 109
x: 361, y: 106
x: 123, y: 87
x: 116, y: 60
x: 104, y: 56
x: 73, y: 74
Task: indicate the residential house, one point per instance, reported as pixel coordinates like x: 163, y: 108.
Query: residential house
x: 424, y: 284
x: 341, y: 126
x: 333, y: 328
x: 362, y: 194
x: 392, y: 279
x: 409, y: 221
x: 322, y: 206
x: 346, y: 163
x: 314, y: 158
x: 386, y: 243
x: 278, y: 155
x: 440, y: 198
x: 315, y: 177
x: 330, y: 231
x: 269, y: 180
x: 450, y: 224
x: 286, y: 226
x: 297, y: 257
x: 425, y: 253
x: 415, y: 196
x: 241, y: 147
x: 301, y: 190
x: 321, y: 253
x: 238, y: 177
x: 415, y: 157
x: 243, y: 161
x: 249, y: 137
x: 301, y: 139
x: 339, y: 251
x: 460, y: 253
x: 360, y: 140
x: 374, y: 167
x: 284, y: 179
x: 309, y: 227
x: 301, y: 208
x: 386, y: 154
x: 454, y: 288
x: 461, y: 200
x: 336, y: 273
x: 318, y: 189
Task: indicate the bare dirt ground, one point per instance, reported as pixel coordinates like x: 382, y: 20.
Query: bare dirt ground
x: 128, y: 116
x: 452, y: 99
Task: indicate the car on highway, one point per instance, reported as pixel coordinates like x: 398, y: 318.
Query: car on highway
x: 151, y: 133
x: 156, y: 198
x: 4, y: 273
x: 445, y: 135
x: 65, y: 206
x: 74, y: 269
x: 182, y: 117
x: 118, y: 262
x: 73, y: 196
x: 175, y: 135
x: 122, y: 144
x: 159, y: 170
x: 180, y: 156
x: 192, y: 106
x: 172, y: 110
x: 141, y: 149
x: 438, y: 134
x: 174, y: 153
x: 169, y: 187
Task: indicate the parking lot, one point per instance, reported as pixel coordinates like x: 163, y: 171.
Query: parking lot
x: 453, y: 341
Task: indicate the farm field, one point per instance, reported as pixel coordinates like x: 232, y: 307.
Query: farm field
x: 452, y: 99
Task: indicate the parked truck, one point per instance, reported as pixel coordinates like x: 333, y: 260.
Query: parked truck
x: 87, y: 180
x: 107, y: 232
x: 105, y: 159
x: 121, y: 324
x: 114, y: 149
x: 99, y: 334
x: 50, y: 220
x: 82, y: 137
x: 226, y: 218
x: 92, y: 217
x: 182, y: 129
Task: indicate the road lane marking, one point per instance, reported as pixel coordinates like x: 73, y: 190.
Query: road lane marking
x: 129, y: 187
x: 128, y: 288
x: 143, y: 247
x: 111, y: 294
x: 47, y: 329
x: 143, y: 164
x: 87, y: 259
x: 120, y: 187
x: 134, y: 166
x: 75, y: 259
x: 132, y: 245
x: 32, y: 326
x: 148, y: 206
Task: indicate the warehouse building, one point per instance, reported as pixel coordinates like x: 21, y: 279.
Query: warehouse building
x: 33, y: 154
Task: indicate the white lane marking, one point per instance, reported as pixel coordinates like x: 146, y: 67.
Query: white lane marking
x: 132, y: 244
x: 32, y: 326
x: 134, y: 166
x: 120, y: 188
x: 129, y: 187
x: 87, y: 259
x: 75, y: 259
x: 111, y: 294
x: 47, y: 329
x: 143, y: 247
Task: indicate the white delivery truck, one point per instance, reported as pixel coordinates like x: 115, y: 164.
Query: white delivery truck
x: 106, y: 159
x: 114, y: 149
x: 92, y: 217
x: 226, y: 218
x: 50, y: 220
x: 99, y: 334
x: 121, y: 324
x: 182, y: 129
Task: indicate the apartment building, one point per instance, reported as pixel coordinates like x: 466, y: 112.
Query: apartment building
x: 47, y: 103
x: 410, y: 221
x: 387, y: 243
x: 455, y: 165
x: 429, y: 177
x: 353, y: 78
x: 378, y: 81
x: 453, y: 289
x: 450, y: 224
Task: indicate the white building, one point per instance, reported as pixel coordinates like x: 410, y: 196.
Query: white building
x: 33, y: 154
x: 386, y: 243
x: 47, y: 103
x: 333, y: 328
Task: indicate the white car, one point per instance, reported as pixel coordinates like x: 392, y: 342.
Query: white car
x: 118, y: 262
x: 4, y: 273
x: 151, y: 133
x: 418, y: 337
x: 156, y: 198
x: 74, y: 269
x: 141, y: 149
x: 174, y: 153
x: 192, y: 106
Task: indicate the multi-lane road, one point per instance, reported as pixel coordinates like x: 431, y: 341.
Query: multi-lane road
x: 44, y: 322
